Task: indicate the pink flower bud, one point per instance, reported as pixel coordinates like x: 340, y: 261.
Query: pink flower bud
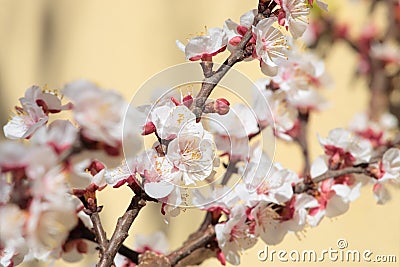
x: 341, y: 31
x: 148, y: 128
x: 221, y: 106
x: 274, y: 85
x: 295, y: 131
x: 187, y: 101
x: 221, y: 257
x: 95, y: 167
x: 175, y: 101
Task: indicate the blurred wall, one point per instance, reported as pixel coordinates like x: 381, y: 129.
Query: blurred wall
x: 119, y: 44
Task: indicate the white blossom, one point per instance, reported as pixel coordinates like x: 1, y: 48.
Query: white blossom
x: 234, y: 236
x: 377, y: 132
x: 235, y: 32
x: 48, y: 226
x: 221, y: 198
x: 60, y: 135
x: 232, y: 130
x: 206, y: 46
x: 272, y: 226
x: 270, y: 46
x: 388, y: 52
x: 293, y: 15
x: 344, y: 146
x: 25, y: 122
x: 271, y: 182
x: 170, y: 120
x: 100, y: 113
x: 13, y: 156
x: 13, y: 246
x: 156, y: 242
x: 389, y: 173
x: 279, y: 114
x: 48, y: 100
x: 87, y: 172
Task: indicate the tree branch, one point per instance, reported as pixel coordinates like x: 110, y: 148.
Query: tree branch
x: 82, y: 232
x: 89, y: 201
x: 210, y: 81
x: 213, y: 78
x: 196, y: 241
x: 230, y: 170
x: 301, y: 139
x: 304, y: 186
x: 101, y: 236
x: 356, y: 169
x: 121, y: 230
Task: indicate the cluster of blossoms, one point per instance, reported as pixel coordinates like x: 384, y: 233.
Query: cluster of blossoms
x: 36, y: 210
x: 296, y: 77
x: 293, y: 91
x: 183, y: 155
x: 48, y: 185
x: 42, y: 181
x: 370, y: 43
x: 272, y: 206
x: 267, y: 43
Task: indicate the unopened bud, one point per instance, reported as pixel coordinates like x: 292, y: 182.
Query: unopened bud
x: 187, y: 101
x: 221, y: 106
x: 221, y: 257
x: 95, y: 167
x: 273, y: 85
x: 148, y: 128
x: 341, y: 31
x: 175, y: 101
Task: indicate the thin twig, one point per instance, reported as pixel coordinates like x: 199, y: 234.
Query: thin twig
x: 301, y: 139
x: 337, y: 173
x: 91, y: 209
x: 357, y: 169
x: 210, y: 82
x: 206, y: 221
x: 230, y: 170
x: 98, y: 229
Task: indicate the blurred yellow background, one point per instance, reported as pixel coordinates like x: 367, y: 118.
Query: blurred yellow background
x: 119, y: 44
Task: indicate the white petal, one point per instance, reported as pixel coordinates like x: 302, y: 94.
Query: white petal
x: 269, y: 70
x: 230, y: 29
x: 247, y: 18
x: 180, y: 45
x: 15, y: 128
x: 314, y: 220
x: 336, y: 206
x: 381, y: 194
x: 158, y: 190
x: 297, y: 28
x: 274, y: 233
x: 391, y: 161
x: 318, y: 167
x: 322, y: 5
